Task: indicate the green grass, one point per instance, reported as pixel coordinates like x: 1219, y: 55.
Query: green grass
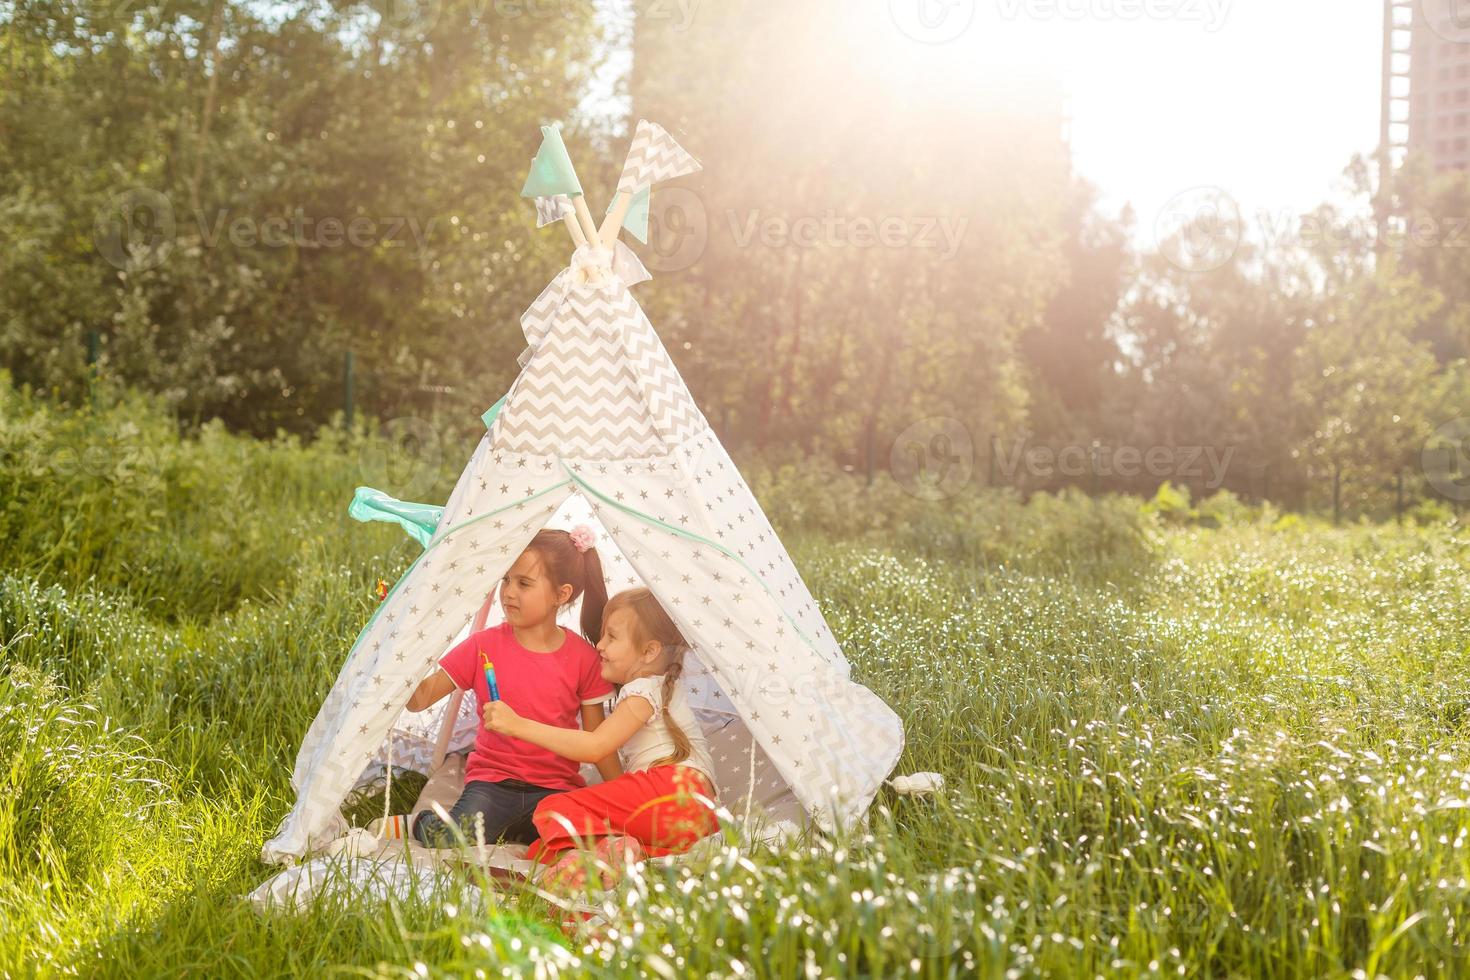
x: 1171, y: 750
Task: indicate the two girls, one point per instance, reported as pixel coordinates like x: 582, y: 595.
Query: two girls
x: 522, y: 777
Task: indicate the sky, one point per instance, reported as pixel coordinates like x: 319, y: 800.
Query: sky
x: 1269, y: 106
x: 1264, y: 100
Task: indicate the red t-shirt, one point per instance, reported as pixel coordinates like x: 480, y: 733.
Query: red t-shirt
x: 547, y: 687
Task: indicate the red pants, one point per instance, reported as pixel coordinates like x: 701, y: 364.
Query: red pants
x: 657, y: 806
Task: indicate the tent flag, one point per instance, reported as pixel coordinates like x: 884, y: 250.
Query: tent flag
x: 600, y: 429
x: 419, y: 520
x: 654, y: 156
x: 551, y: 172
x: 636, y: 220
x: 552, y: 209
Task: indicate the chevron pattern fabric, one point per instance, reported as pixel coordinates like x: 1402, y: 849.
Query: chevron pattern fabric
x: 537, y: 318
x: 654, y: 156
x: 549, y: 209
x: 672, y: 408
x: 599, y: 385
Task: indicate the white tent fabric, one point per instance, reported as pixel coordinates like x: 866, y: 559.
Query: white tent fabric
x: 600, y: 428
x: 751, y: 787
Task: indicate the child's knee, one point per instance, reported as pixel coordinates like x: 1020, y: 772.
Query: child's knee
x: 557, y: 819
x: 547, y: 821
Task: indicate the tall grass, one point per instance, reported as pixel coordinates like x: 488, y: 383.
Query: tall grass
x: 119, y: 500
x: 1170, y: 750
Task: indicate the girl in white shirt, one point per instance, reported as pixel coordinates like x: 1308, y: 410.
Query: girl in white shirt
x: 664, y: 800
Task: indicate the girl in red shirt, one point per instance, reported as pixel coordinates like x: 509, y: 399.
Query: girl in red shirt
x: 544, y: 672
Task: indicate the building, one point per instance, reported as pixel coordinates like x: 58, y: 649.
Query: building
x: 1426, y: 81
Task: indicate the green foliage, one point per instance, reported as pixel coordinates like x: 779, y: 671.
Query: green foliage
x: 1061, y: 533
x: 1311, y: 361
x: 1375, y: 393
x: 117, y: 497
x: 1168, y: 747
x: 1431, y: 512
x: 69, y: 807
x: 1171, y: 503
x: 261, y: 189
x: 232, y: 195
x: 83, y: 808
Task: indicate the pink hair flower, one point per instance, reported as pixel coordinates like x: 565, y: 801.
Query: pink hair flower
x: 583, y: 537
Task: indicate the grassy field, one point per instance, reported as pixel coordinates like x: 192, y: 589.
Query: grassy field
x: 1172, y: 749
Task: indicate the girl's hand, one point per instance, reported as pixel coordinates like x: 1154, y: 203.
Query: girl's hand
x: 501, y: 717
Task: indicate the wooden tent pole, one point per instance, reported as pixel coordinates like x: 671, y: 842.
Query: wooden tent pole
x: 575, y: 227
x: 607, y: 235
x: 589, y: 227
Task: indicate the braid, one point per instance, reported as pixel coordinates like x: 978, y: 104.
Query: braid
x: 682, y: 747
x: 655, y: 624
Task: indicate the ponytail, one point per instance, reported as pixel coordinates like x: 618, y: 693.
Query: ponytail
x: 566, y: 564
x: 594, y: 596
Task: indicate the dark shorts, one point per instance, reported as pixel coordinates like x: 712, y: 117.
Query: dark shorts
x: 486, y: 811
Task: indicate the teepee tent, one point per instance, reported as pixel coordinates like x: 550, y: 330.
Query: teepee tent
x: 599, y: 428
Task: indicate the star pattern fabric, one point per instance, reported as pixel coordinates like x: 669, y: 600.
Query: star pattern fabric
x: 601, y: 429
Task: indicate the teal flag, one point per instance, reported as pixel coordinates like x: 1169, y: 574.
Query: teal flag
x: 636, y: 220
x: 419, y: 520
x: 551, y: 172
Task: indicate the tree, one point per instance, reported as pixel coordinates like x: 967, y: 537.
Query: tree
x: 873, y: 248
x: 1370, y: 391
x: 293, y: 182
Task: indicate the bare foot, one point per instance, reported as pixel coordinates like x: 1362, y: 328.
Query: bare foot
x: 617, y: 853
